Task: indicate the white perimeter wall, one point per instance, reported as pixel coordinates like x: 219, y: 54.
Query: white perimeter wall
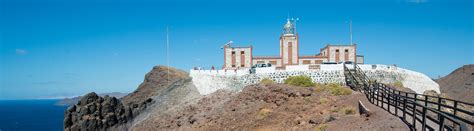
x: 208, y: 81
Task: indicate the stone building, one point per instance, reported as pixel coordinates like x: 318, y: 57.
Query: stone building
x: 241, y: 57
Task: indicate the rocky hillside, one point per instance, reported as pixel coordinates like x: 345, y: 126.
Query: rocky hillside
x: 459, y: 84
x: 170, y: 101
x: 272, y: 107
x: 158, y: 90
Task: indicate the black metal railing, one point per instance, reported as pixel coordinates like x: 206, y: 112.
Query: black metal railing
x: 418, y: 111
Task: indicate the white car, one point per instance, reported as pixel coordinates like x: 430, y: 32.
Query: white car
x: 260, y: 65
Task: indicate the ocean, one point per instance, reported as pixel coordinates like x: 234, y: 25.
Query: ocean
x: 29, y: 115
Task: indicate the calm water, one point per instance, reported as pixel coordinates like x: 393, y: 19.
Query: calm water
x: 29, y: 115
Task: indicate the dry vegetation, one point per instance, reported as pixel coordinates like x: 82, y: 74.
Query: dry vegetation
x: 303, y: 81
x: 334, y: 89
x: 266, y: 81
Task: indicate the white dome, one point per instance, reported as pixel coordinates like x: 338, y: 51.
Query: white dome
x: 287, y: 25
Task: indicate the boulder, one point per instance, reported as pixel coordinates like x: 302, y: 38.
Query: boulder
x: 93, y: 112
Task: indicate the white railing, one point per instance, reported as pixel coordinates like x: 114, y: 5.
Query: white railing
x: 239, y: 72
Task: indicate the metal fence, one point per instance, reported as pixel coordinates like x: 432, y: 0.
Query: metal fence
x: 418, y: 111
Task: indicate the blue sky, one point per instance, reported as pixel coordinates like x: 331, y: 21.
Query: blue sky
x: 56, y: 48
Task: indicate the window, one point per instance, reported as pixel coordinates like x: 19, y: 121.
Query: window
x: 273, y: 62
x: 233, y: 65
x: 346, y: 50
x: 242, y: 52
x: 242, y: 65
x: 337, y: 50
x: 306, y: 62
x: 318, y: 61
x: 233, y: 52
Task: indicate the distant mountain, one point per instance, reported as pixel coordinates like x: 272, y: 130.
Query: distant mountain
x: 74, y: 100
x: 459, y: 84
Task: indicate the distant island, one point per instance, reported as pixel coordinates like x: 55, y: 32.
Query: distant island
x: 74, y: 100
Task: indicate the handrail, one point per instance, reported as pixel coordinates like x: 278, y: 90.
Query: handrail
x: 415, y: 105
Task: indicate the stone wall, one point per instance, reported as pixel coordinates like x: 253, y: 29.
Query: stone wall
x: 208, y: 81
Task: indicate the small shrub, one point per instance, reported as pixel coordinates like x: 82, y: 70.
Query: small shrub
x: 323, y: 100
x: 321, y: 127
x: 328, y: 118
x: 333, y: 88
x: 266, y: 81
x: 319, y: 87
x: 341, y: 91
x: 304, y: 81
x: 398, y: 84
x: 338, y: 90
x: 263, y: 113
x: 334, y: 110
x: 348, y: 110
x: 307, y: 100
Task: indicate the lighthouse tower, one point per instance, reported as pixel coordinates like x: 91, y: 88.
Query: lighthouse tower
x: 289, y: 44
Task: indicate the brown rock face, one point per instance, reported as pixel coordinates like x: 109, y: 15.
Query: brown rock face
x: 158, y: 79
x: 459, y: 84
x: 93, y: 112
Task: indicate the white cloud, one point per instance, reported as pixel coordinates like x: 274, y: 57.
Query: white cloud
x: 21, y: 52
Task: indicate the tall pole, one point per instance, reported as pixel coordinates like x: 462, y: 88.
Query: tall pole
x: 168, y: 53
x: 350, y: 30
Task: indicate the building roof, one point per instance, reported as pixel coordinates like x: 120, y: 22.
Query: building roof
x: 328, y: 45
x: 238, y: 47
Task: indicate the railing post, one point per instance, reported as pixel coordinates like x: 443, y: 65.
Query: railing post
x: 388, y: 101
x: 396, y: 102
x: 373, y: 94
x: 404, y: 108
x: 439, y: 107
x: 398, y: 98
x: 424, y: 119
x: 455, y: 107
x: 378, y: 96
x: 426, y: 101
x: 416, y: 97
x: 441, y: 122
x: 383, y: 96
x: 414, y: 115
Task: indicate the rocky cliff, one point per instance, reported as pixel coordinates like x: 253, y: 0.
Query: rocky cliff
x: 162, y: 86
